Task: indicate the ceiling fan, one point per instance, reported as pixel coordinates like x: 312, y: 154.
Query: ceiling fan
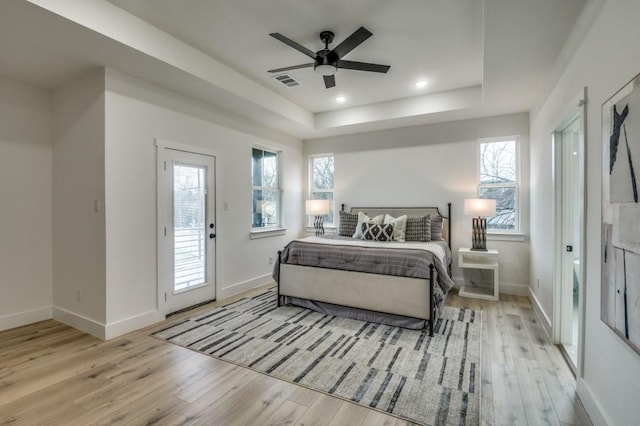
x: 326, y: 61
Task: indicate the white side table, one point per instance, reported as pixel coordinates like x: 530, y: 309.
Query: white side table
x: 484, y: 260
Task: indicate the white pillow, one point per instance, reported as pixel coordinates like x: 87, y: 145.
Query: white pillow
x: 399, y: 226
x: 362, y: 218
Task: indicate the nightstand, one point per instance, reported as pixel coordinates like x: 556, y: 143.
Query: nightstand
x: 479, y: 264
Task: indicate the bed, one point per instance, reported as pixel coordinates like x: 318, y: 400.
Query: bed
x: 398, y: 283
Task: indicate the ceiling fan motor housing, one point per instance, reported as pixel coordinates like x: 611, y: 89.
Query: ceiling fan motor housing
x: 325, y: 59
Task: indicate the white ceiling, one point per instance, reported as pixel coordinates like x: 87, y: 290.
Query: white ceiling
x: 479, y: 58
x: 444, y: 48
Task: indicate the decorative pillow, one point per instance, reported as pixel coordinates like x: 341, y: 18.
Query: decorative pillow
x: 348, y: 223
x: 418, y: 229
x: 436, y: 228
x: 363, y: 218
x: 399, y: 226
x: 374, y: 232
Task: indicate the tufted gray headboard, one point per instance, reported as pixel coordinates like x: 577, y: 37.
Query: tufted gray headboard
x: 410, y: 211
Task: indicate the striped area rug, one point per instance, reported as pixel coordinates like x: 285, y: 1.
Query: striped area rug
x: 432, y: 381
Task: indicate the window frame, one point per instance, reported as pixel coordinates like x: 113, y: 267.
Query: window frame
x: 312, y: 190
x: 278, y: 229
x: 516, y: 184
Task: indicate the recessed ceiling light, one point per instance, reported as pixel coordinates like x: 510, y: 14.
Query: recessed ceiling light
x: 420, y: 84
x: 340, y: 99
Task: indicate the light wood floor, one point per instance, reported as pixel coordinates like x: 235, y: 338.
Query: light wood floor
x: 53, y: 374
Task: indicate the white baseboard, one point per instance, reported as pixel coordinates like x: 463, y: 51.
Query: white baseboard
x: 24, y: 318
x: 80, y: 322
x: 127, y: 325
x: 117, y: 328
x: 540, y: 313
x: 237, y: 288
x: 106, y: 331
x: 514, y: 289
x: 591, y: 404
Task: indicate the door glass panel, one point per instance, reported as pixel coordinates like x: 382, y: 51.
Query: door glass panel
x: 189, y: 228
x: 572, y: 158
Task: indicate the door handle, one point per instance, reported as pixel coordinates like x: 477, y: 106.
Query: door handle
x: 212, y: 235
x: 569, y: 248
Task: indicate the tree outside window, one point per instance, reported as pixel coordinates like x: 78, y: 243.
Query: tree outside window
x: 321, y: 181
x: 265, y: 176
x: 499, y: 180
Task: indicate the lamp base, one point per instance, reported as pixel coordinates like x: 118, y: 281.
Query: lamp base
x: 479, y: 234
x: 318, y: 223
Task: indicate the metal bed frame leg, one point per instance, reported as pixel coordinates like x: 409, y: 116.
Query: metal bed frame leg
x: 432, y: 311
x: 279, y: 276
x: 449, y: 224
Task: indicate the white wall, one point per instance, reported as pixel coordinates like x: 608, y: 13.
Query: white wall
x: 25, y: 209
x: 426, y: 166
x: 78, y: 173
x: 607, y: 59
x: 136, y: 114
x: 78, y: 184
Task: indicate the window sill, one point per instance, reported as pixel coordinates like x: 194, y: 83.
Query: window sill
x: 266, y: 233
x: 504, y: 236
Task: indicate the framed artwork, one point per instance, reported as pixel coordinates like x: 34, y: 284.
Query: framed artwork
x: 620, y: 293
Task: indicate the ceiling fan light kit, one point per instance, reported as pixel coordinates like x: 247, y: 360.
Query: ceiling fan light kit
x: 327, y: 62
x: 326, y: 69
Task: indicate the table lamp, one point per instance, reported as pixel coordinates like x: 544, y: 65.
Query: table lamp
x: 319, y: 209
x: 482, y: 208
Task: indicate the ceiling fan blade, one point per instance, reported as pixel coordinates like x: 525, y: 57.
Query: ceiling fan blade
x: 295, y: 67
x: 363, y: 66
x: 293, y: 44
x: 351, y: 42
x: 329, y: 81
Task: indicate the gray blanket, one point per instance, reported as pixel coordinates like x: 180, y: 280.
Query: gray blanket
x: 405, y: 262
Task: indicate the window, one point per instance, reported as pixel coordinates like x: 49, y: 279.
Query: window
x: 321, y: 169
x: 499, y: 177
x: 265, y: 176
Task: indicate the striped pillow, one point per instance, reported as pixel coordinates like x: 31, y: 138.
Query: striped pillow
x: 348, y: 223
x: 418, y: 229
x: 437, y: 223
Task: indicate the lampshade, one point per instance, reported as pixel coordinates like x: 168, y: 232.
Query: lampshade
x: 318, y: 207
x: 480, y: 207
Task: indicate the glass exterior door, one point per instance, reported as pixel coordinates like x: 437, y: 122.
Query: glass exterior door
x: 187, y: 200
